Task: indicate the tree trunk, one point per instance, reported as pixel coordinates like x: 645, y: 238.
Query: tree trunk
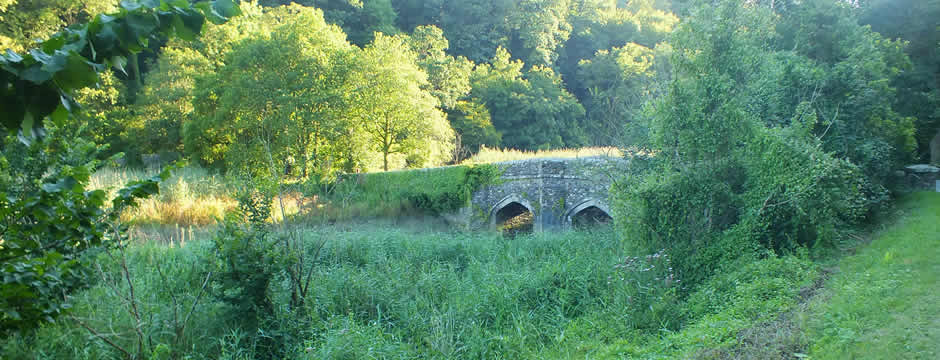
x: 135, y: 69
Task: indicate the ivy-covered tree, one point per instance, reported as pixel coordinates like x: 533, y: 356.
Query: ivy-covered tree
x: 722, y: 182
x: 855, y: 71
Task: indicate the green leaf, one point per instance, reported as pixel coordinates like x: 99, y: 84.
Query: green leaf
x: 188, y: 24
x: 119, y: 62
x: 60, y: 115
x: 106, y: 38
x: 63, y: 184
x: 56, y: 62
x: 141, y: 25
x: 11, y: 56
x: 78, y: 73
x: 131, y: 5
x: 226, y: 8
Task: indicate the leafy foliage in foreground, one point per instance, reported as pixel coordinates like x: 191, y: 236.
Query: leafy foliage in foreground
x: 50, y: 221
x: 52, y: 225
x: 42, y: 82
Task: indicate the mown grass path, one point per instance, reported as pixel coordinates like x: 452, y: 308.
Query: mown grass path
x: 884, y: 302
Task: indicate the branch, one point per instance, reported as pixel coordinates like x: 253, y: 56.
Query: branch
x: 205, y: 284
x: 127, y: 354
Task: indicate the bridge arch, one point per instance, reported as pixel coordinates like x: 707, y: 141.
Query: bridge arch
x: 509, y: 203
x: 586, y: 205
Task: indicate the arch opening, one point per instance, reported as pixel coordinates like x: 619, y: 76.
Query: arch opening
x: 589, y: 217
x: 514, y: 218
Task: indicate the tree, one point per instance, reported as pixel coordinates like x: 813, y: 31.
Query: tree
x: 855, y: 97
x: 448, y: 76
x: 476, y: 28
x: 602, y: 25
x: 724, y: 185
x: 617, y: 84
x: 474, y: 127
x: 918, y: 88
x: 106, y: 117
x: 540, y: 27
x: 25, y: 21
x: 702, y: 116
x: 397, y: 114
x: 166, y: 102
x: 530, y: 110
x: 358, y: 18
x: 263, y: 106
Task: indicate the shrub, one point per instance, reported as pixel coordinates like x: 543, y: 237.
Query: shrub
x: 51, y: 225
x: 708, y: 214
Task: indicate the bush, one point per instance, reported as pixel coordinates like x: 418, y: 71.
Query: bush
x: 51, y: 225
x: 708, y: 214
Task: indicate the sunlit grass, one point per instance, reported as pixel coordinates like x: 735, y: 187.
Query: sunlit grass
x: 883, y: 303
x: 191, y: 197
x: 488, y: 155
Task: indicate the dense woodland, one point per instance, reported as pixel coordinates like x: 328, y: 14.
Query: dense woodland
x: 344, y: 85
x: 763, y: 136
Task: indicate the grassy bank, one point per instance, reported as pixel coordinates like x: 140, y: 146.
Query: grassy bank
x: 193, y: 197
x: 884, y: 302
x: 424, y: 192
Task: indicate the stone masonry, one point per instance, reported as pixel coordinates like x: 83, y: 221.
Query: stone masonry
x: 553, y: 190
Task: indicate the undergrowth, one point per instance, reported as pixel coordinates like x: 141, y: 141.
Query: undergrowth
x: 380, y: 292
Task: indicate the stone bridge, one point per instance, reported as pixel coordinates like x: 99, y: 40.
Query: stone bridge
x: 553, y: 193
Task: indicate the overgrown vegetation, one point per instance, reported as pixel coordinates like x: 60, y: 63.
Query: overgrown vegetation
x: 759, y: 147
x: 190, y: 197
x: 428, y: 192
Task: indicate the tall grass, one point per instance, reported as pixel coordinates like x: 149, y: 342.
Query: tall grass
x: 493, y: 155
x: 378, y: 293
x: 191, y: 197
